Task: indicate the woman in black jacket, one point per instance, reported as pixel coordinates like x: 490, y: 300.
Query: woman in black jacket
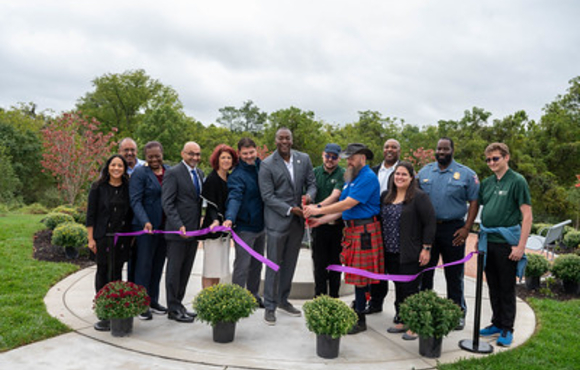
x: 109, y: 212
x: 216, y: 246
x: 408, y: 223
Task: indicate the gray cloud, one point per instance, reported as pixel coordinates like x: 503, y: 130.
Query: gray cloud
x: 418, y: 60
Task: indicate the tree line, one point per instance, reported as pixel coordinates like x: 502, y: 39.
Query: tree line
x: 546, y: 152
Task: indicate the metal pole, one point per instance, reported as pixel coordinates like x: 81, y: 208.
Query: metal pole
x: 474, y: 345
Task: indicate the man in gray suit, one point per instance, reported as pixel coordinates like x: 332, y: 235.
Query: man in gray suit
x: 284, y: 176
x: 181, y: 202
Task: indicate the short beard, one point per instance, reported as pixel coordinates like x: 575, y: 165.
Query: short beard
x: 351, y: 173
x: 444, y: 159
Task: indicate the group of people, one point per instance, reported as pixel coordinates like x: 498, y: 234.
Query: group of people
x: 384, y: 219
x: 389, y: 219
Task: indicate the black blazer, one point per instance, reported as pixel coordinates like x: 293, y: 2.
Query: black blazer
x: 179, y: 199
x: 215, y: 192
x: 98, y: 212
x: 418, y: 226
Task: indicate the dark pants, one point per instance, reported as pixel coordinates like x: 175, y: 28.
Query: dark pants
x: 443, y: 246
x: 500, y: 273
x: 326, y: 250
x: 402, y: 290
x: 360, y: 297
x: 379, y: 291
x: 247, y: 269
x: 151, y: 251
x: 283, y: 249
x: 110, y: 260
x: 132, y: 262
x: 107, y: 272
x: 180, y: 258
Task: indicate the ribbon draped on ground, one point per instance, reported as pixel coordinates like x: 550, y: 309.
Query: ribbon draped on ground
x: 237, y: 239
x: 396, y: 278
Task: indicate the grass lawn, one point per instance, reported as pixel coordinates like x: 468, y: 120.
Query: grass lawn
x: 555, y: 345
x: 23, y: 284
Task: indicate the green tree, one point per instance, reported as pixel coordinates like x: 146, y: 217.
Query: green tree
x: 558, y: 134
x: 307, y: 133
x: 123, y: 100
x: 247, y: 118
x: 9, y: 183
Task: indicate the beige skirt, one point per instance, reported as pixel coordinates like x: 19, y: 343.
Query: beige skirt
x: 216, y: 257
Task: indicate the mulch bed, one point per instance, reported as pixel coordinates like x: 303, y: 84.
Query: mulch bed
x: 555, y: 292
x: 43, y: 250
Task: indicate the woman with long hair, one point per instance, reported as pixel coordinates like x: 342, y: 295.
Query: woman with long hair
x: 216, y: 246
x: 145, y: 194
x: 408, y: 224
x: 109, y: 212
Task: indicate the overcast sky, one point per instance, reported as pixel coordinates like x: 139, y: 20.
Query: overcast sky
x: 418, y: 60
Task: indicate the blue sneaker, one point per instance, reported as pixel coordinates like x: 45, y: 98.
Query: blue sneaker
x: 505, y: 339
x: 489, y: 331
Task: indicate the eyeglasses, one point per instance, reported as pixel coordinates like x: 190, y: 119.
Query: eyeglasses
x: 334, y: 157
x: 492, y: 159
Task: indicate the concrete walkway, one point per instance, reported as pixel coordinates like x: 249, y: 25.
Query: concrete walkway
x: 165, y: 344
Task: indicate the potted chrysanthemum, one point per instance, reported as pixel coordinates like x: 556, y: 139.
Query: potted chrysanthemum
x: 328, y: 318
x: 120, y: 301
x: 222, y: 306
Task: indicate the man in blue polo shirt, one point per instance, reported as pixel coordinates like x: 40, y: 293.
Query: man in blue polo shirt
x: 359, y: 205
x: 451, y: 186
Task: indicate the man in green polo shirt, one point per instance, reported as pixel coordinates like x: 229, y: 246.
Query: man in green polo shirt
x: 507, y: 209
x: 326, y: 245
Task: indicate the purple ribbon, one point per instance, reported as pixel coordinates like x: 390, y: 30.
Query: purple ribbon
x: 396, y: 278
x: 237, y: 239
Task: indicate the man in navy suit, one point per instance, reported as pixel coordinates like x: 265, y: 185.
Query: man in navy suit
x: 284, y: 176
x: 181, y: 200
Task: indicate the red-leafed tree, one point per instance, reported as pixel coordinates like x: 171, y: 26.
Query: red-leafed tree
x: 420, y: 157
x: 74, y: 150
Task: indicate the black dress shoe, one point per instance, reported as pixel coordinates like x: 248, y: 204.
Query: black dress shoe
x: 193, y: 315
x: 102, y: 325
x: 372, y: 309
x: 179, y: 316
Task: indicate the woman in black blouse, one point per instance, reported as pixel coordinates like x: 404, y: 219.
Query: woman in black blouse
x: 109, y: 212
x: 408, y: 222
x: 216, y: 246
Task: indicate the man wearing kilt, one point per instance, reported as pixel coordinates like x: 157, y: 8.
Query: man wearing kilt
x: 359, y: 206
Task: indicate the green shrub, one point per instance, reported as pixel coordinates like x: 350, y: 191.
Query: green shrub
x: 52, y: 220
x: 330, y: 316
x: 33, y: 209
x: 537, y: 265
x: 567, y: 229
x: 567, y: 267
x: 539, y: 226
x: 4, y: 209
x: 70, y: 234
x: 429, y: 315
x: 79, y: 215
x: 224, y: 303
x: 572, y: 239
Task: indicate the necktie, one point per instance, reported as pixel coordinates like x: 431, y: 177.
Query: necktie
x: 195, y: 181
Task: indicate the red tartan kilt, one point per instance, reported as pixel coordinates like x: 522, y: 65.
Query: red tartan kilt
x: 353, y: 255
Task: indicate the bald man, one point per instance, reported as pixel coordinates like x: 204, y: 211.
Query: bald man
x: 181, y: 201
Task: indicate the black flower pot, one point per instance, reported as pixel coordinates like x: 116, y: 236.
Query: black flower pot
x: 121, y: 327
x: 327, y: 346
x: 224, y: 332
x: 532, y: 282
x: 570, y: 287
x: 430, y: 347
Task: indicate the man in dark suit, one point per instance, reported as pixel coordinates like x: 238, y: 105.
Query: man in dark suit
x: 181, y: 200
x: 384, y: 170
x: 284, y: 176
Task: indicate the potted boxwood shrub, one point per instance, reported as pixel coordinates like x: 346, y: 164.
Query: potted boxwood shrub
x: 328, y: 318
x: 70, y: 236
x: 537, y: 266
x: 222, y: 306
x: 432, y: 318
x: 567, y: 268
x: 120, y: 301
